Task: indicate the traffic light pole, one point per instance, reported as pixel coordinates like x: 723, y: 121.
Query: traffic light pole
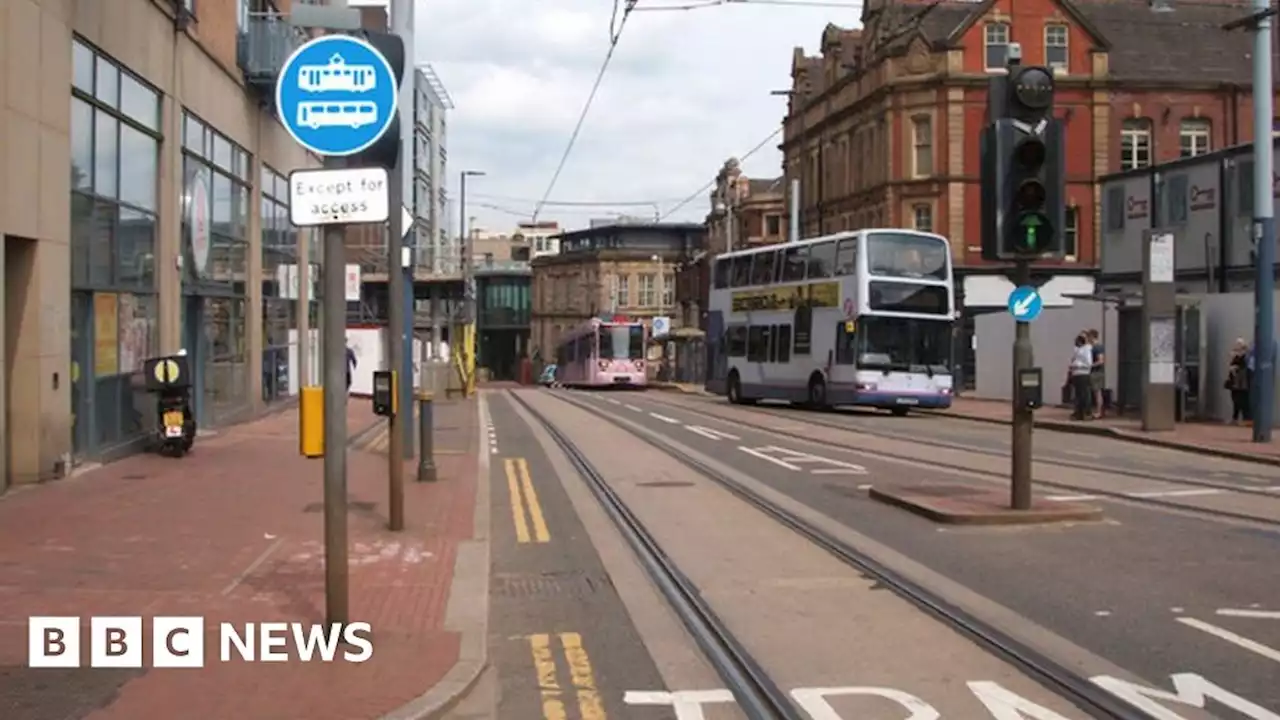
x: 1023, y: 419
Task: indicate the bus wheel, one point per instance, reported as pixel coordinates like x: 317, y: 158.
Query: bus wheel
x: 817, y: 392
x: 735, y: 389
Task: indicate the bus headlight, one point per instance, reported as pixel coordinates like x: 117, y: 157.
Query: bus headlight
x: 603, y: 364
x: 639, y: 365
x: 867, y: 387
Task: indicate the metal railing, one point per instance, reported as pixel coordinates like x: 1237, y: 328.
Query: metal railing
x: 265, y: 43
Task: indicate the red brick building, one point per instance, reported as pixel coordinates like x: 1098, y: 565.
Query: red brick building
x: 883, y: 125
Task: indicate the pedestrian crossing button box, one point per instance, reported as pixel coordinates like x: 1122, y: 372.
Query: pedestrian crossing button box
x: 164, y: 374
x: 384, y: 393
x: 1030, y: 388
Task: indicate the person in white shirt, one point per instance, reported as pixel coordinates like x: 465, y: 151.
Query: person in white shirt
x: 1078, y: 376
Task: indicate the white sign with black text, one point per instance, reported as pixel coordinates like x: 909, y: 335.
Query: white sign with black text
x: 338, y: 197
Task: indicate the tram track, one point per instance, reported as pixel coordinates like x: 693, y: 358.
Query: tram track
x: 758, y: 696
x: 1080, y: 490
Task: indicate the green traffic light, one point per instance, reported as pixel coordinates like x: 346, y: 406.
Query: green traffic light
x: 1034, y: 230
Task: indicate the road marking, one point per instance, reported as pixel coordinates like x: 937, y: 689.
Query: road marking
x: 1256, y: 614
x: 613, y: 401
x: 795, y: 458
x: 710, y: 433
x: 589, y: 704
x: 1175, y: 493
x: 1253, y: 646
x: 545, y: 666
x: 1071, y: 498
x: 520, y: 488
x: 664, y: 418
x: 634, y: 408
x: 257, y: 562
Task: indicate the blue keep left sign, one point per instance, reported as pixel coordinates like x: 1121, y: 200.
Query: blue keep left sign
x: 1025, y: 304
x: 336, y: 95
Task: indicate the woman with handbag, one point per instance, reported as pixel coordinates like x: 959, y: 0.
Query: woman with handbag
x: 1239, y: 380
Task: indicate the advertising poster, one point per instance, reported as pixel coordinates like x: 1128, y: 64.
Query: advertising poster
x: 106, y: 335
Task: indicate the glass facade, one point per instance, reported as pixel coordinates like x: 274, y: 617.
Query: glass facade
x: 280, y: 276
x: 215, y: 228
x: 115, y: 141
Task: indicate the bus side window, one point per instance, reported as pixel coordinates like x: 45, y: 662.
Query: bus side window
x: 795, y: 262
x: 757, y: 344
x: 783, y: 342
x: 773, y: 343
x: 762, y: 268
x: 737, y: 340
x: 722, y: 273
x: 822, y: 260
x: 742, y: 271
x: 847, y: 257
x: 845, y: 344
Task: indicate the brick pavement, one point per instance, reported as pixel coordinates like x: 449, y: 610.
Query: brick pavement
x: 1233, y: 441
x: 234, y: 532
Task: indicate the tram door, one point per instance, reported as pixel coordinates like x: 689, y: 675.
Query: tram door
x: 717, y: 358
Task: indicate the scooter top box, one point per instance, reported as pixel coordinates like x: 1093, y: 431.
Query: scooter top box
x: 167, y: 373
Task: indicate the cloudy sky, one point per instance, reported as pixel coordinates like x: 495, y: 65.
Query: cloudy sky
x: 685, y: 91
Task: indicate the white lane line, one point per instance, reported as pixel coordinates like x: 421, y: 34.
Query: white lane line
x: 1174, y: 493
x: 1253, y: 646
x: 707, y: 432
x: 612, y: 401
x: 1071, y: 498
x: 840, y: 471
x: 774, y: 460
x: 1256, y: 614
x: 634, y: 408
x: 864, y: 487
x: 664, y: 418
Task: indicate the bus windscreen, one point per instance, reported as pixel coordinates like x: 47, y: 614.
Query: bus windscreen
x: 908, y: 298
x: 904, y: 344
x: 621, y: 342
x: 903, y: 255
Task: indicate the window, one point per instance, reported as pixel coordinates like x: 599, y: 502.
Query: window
x: 996, y: 45
x: 846, y: 343
x: 782, y: 343
x: 1055, y: 46
x: 758, y: 343
x: 822, y: 260
x: 922, y: 146
x: 668, y: 290
x: 1135, y: 144
x: 1071, y: 232
x: 114, y: 168
x: 647, y: 294
x: 847, y: 257
x: 1113, y: 211
x: 215, y: 266
x: 922, y: 217
x: 280, y: 276
x: 772, y: 225
x: 794, y: 264
x: 762, y: 267
x: 1195, y: 137
x: 622, y: 293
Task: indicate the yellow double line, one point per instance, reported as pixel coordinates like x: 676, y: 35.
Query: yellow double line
x: 518, y: 484
x: 580, y: 673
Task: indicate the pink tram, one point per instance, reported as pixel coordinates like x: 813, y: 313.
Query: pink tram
x: 601, y: 353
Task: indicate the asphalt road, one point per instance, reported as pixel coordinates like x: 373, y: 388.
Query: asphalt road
x: 1145, y: 590
x: 561, y: 640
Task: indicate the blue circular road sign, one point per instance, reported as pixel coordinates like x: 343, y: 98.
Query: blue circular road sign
x: 1025, y: 304
x: 336, y: 95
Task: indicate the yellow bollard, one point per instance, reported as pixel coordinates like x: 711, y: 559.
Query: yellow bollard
x: 311, y: 422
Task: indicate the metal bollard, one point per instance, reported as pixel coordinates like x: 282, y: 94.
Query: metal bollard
x: 426, y: 438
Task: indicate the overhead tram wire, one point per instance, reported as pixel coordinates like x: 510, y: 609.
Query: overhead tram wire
x: 698, y: 193
x: 615, y: 34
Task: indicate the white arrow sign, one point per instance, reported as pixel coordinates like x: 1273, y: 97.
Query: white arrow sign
x: 406, y: 221
x: 1023, y: 306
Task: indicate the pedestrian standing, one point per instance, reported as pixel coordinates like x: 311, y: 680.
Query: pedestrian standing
x: 1239, y: 381
x: 1078, y: 372
x: 1098, y: 372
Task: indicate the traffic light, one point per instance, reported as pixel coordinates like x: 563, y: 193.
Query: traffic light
x: 386, y: 151
x: 1023, y: 183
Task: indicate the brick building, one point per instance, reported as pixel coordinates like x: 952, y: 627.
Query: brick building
x: 883, y: 125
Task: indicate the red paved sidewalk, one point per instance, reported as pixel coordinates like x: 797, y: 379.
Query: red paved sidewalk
x: 1234, y: 441
x: 234, y: 532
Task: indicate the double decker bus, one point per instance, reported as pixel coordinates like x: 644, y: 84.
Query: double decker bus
x: 601, y: 353
x: 856, y: 318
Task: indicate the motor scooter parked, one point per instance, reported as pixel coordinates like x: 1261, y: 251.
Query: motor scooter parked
x: 169, y: 379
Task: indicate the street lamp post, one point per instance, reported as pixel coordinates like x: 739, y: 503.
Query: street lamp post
x: 468, y: 285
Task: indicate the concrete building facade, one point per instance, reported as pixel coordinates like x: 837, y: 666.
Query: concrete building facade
x: 436, y: 249
x: 143, y: 208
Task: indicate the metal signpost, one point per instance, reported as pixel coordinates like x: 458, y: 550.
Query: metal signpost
x: 336, y: 96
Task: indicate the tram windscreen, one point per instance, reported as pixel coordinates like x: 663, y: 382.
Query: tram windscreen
x: 621, y: 342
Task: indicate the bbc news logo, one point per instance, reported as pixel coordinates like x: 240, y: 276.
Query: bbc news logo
x: 179, y: 642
